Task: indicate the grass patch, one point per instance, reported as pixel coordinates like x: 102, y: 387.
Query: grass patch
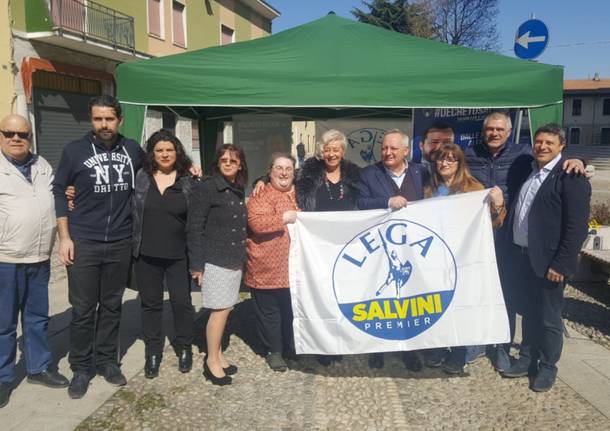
x: 127, y: 396
x: 147, y: 402
x: 177, y: 390
x: 99, y: 424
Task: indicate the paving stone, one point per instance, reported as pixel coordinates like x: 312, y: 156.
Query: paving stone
x: 344, y: 395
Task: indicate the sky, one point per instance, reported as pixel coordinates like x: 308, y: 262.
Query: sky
x: 579, y: 31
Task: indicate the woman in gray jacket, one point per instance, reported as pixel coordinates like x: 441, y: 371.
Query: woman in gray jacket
x: 161, y: 207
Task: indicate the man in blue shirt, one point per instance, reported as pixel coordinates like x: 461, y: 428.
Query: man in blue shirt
x: 546, y: 227
x: 491, y: 162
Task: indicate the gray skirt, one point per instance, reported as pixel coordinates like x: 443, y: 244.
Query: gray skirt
x: 220, y: 287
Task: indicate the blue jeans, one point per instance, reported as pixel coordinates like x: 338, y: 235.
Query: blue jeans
x: 24, y: 287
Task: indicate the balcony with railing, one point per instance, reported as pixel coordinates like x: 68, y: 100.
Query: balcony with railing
x: 91, y: 21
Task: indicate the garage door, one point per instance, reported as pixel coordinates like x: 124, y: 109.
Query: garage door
x: 60, y: 116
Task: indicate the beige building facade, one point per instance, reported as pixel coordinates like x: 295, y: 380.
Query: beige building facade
x: 56, y: 54
x: 586, y: 111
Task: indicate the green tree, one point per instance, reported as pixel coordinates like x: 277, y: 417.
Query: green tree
x: 398, y: 15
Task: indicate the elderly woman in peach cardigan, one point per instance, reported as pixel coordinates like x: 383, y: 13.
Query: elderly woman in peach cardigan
x: 267, y: 246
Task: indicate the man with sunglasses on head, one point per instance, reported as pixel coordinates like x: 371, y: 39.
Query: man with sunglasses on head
x: 27, y: 230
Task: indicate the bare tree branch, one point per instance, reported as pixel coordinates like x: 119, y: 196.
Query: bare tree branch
x: 470, y: 23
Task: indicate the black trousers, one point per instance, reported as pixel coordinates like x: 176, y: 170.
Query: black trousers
x: 274, y: 319
x: 540, y: 303
x: 506, y: 269
x: 96, y: 282
x: 150, y: 274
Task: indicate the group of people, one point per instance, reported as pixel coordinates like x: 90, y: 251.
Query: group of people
x: 114, y: 202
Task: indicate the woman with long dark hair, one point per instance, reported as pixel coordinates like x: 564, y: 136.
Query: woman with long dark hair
x: 450, y: 176
x: 161, y: 206
x: 217, y: 247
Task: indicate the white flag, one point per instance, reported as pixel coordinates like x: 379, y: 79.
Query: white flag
x: 373, y: 281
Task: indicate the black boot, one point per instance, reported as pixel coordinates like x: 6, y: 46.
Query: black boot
x: 5, y: 393
x: 151, y: 367
x: 376, y: 360
x: 185, y: 360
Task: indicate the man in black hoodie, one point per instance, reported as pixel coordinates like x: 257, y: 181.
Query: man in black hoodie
x: 95, y: 240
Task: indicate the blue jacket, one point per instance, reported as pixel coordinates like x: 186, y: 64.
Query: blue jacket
x: 104, y: 180
x: 494, y: 171
x: 377, y: 188
x: 557, y: 221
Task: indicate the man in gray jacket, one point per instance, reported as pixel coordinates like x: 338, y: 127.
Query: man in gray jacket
x: 27, y: 233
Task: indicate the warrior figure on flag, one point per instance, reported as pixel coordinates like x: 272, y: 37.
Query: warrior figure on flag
x: 398, y: 273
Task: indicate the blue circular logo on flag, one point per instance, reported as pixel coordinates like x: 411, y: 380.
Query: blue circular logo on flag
x: 395, y: 280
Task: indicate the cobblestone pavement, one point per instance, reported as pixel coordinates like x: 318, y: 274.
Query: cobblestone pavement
x: 586, y: 310
x: 345, y: 395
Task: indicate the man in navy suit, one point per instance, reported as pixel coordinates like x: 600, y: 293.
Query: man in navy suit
x: 545, y: 230
x: 392, y: 183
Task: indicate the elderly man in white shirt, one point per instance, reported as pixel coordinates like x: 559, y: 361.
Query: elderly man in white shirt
x: 27, y: 233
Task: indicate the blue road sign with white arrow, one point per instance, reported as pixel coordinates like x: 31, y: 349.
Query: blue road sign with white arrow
x: 531, y: 39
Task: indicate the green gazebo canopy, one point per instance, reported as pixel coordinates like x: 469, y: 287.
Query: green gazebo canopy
x: 332, y: 64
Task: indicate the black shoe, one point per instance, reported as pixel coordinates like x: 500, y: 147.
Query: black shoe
x: 5, y: 393
x: 49, y: 378
x: 290, y: 355
x: 521, y: 368
x: 324, y: 360
x: 185, y: 360
x: 151, y: 366
x: 376, y: 360
x: 412, y: 361
x: 502, y: 360
x: 276, y: 362
x: 544, y: 381
x: 78, y: 386
x: 455, y: 361
x: 453, y: 368
x: 230, y: 370
x: 219, y: 381
x: 112, y: 374
x: 434, y: 358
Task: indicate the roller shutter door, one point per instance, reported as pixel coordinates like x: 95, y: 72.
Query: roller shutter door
x: 60, y: 118
x: 60, y: 111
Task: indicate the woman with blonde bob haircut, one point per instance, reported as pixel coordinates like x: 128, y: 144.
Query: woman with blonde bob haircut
x: 328, y: 182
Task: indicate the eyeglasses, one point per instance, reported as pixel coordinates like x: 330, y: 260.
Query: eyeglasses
x: 8, y: 134
x: 280, y: 169
x: 225, y: 161
x: 449, y: 160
